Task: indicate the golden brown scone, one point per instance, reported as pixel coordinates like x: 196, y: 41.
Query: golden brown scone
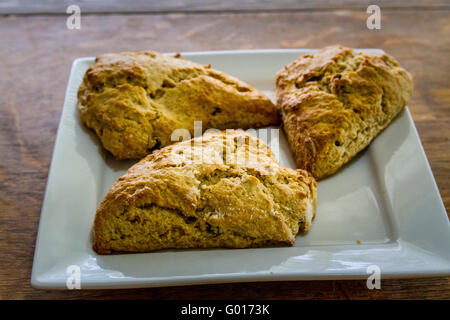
x: 234, y: 196
x: 334, y: 102
x: 135, y: 100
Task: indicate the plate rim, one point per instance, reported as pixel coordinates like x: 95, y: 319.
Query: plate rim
x: 37, y: 282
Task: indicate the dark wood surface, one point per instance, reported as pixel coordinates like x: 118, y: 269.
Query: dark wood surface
x: 36, y: 53
x: 206, y: 6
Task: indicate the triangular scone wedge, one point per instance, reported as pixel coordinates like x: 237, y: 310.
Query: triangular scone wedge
x: 334, y: 102
x: 224, y: 189
x: 134, y: 101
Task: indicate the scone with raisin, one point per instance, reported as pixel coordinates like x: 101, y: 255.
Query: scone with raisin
x: 135, y: 100
x: 334, y: 102
x: 223, y: 189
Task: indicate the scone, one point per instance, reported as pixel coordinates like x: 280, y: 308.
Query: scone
x: 334, y: 102
x: 135, y: 100
x: 223, y: 189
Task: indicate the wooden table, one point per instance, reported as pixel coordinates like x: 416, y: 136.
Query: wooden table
x: 36, y: 53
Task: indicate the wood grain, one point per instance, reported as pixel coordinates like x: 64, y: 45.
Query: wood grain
x: 202, y: 6
x: 35, y: 60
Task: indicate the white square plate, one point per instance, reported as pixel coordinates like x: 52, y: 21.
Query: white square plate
x: 386, y: 199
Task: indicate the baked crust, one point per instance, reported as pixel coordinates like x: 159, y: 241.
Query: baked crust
x: 135, y: 100
x: 334, y: 102
x: 235, y: 196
